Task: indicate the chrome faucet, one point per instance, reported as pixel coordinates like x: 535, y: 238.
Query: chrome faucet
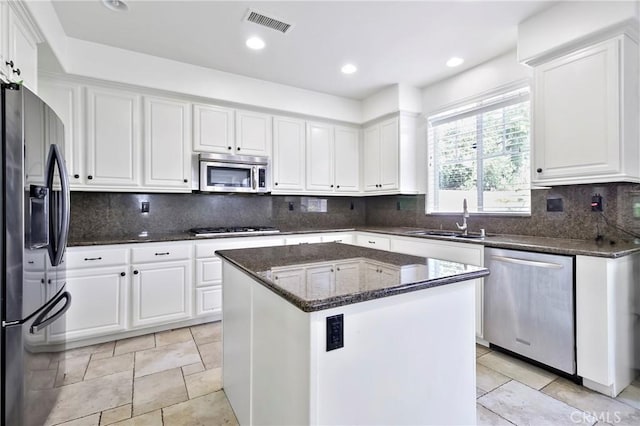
x: 465, y: 215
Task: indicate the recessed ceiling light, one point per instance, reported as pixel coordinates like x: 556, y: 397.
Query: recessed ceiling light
x: 117, y: 5
x: 454, y: 62
x: 255, y: 43
x: 348, y: 69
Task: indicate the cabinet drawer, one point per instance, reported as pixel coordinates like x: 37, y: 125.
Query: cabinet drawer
x: 373, y: 242
x: 208, y: 271
x: 91, y: 258
x: 160, y: 253
x: 208, y: 249
x: 308, y: 239
x: 34, y: 260
x: 208, y: 300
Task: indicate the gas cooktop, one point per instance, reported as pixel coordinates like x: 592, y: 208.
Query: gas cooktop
x: 235, y: 230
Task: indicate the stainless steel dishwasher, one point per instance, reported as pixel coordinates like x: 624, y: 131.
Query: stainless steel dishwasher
x: 529, y: 306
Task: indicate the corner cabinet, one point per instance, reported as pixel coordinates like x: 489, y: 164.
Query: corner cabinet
x: 113, y: 138
x: 288, y: 154
x: 586, y: 116
x: 167, y: 143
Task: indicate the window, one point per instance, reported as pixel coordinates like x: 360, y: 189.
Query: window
x: 480, y: 151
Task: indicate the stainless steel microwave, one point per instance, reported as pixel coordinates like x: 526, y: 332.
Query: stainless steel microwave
x: 234, y: 173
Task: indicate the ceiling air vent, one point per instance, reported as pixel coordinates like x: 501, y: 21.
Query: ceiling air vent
x: 267, y: 21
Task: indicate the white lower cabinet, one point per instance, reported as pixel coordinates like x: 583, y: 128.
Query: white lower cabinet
x: 98, y: 305
x: 161, y: 290
x: 472, y: 254
x: 208, y: 270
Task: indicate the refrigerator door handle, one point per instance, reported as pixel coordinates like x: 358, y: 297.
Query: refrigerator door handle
x: 42, y: 321
x: 59, y: 235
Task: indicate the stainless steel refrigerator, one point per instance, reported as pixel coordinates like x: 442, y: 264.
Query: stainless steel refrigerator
x: 35, y: 225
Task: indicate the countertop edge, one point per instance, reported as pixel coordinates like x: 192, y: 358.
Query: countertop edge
x: 337, y: 301
x: 552, y: 246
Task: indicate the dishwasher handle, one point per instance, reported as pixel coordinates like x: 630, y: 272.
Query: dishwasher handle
x: 533, y: 263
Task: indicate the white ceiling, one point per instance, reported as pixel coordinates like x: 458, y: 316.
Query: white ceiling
x: 390, y: 41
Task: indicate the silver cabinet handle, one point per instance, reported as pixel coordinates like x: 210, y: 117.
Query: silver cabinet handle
x: 535, y: 263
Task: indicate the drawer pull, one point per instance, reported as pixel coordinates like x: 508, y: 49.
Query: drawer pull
x: 163, y: 253
x: 92, y: 258
x: 31, y: 262
x: 371, y: 242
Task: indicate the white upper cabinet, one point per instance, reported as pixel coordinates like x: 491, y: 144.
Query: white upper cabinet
x: 65, y: 99
x: 319, y: 157
x: 288, y: 154
x: 19, y: 46
x: 381, y: 153
x: 213, y: 129
x: 253, y: 133
x: 586, y: 116
x: 167, y: 147
x: 333, y: 162
x: 113, y: 138
x: 347, y: 159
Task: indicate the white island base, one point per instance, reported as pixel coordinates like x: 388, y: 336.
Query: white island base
x: 407, y: 359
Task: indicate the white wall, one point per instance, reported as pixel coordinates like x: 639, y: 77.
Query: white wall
x: 394, y: 98
x: 488, y: 76
x: 568, y: 22
x: 111, y: 64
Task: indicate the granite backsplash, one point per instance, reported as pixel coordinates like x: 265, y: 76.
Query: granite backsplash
x: 575, y: 221
x: 100, y: 215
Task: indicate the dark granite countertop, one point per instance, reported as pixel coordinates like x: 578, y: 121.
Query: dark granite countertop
x: 404, y: 273
x: 516, y: 242
x: 182, y: 236
x: 530, y: 243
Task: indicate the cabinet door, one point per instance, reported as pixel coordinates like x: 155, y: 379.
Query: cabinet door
x: 23, y: 51
x: 288, y: 154
x: 167, y: 147
x: 319, y: 157
x: 35, y: 150
x: 253, y: 133
x: 113, y: 138
x: 66, y: 100
x: 162, y: 293
x: 389, y: 155
x: 371, y: 161
x: 98, y: 307
x: 213, y: 129
x: 347, y: 160
x: 576, y: 110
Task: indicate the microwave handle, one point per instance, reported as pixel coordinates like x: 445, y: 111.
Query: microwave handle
x: 254, y: 178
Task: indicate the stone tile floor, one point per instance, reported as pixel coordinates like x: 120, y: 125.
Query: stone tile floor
x: 173, y: 378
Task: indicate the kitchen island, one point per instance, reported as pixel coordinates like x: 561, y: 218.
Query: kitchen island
x: 338, y: 334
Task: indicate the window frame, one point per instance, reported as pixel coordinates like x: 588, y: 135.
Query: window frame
x: 457, y: 109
